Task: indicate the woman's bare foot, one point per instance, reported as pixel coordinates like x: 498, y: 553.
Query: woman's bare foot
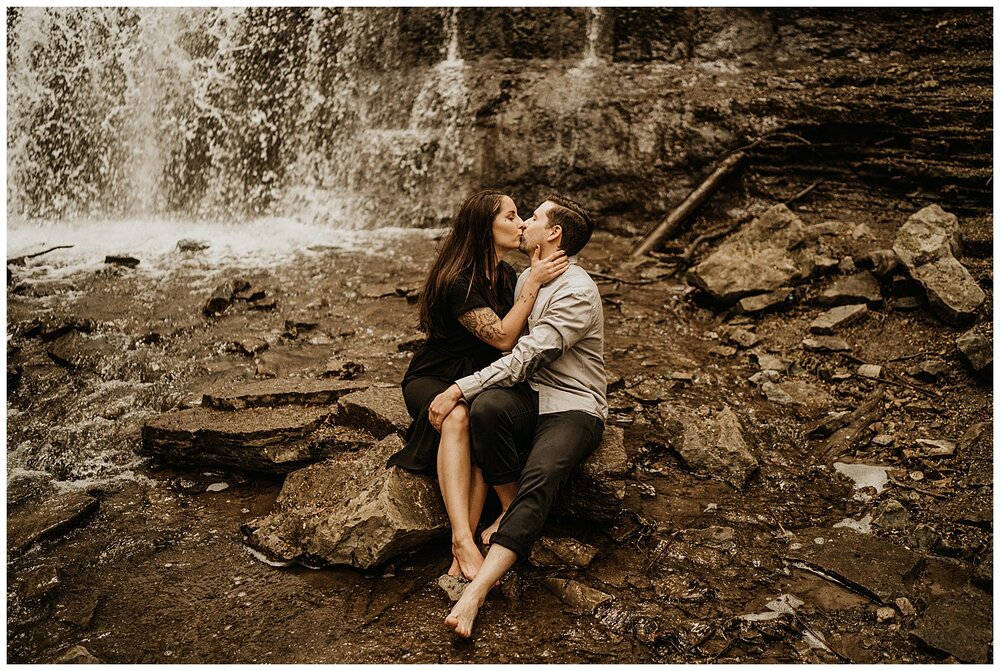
x: 487, y: 536
x: 455, y: 569
x: 462, y: 616
x: 468, y: 557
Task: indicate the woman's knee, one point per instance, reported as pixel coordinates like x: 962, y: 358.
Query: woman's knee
x: 457, y: 419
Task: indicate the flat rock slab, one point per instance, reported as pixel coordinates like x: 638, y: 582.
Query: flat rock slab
x: 596, y: 488
x: 838, y: 317
x: 762, y: 302
x: 548, y: 551
x: 47, y: 520
x: 875, y: 568
x: 380, y: 410
x: 771, y: 362
x: 927, y: 245
x: 75, y: 350
x: 960, y: 624
x: 258, y: 439
x: 354, y: 512
x: 743, y: 338
x: 37, y: 582
x: 305, y: 359
x: 928, y: 370
x: 577, y: 595
x: 859, y: 288
x: 710, y: 443
x: 275, y: 392
x: 825, y: 343
x: 803, y: 396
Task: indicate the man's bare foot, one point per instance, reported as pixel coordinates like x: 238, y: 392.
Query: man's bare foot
x: 455, y: 569
x: 487, y: 536
x: 462, y: 616
x: 468, y: 557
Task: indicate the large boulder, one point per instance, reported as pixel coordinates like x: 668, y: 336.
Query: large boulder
x: 774, y: 251
x: 927, y: 245
x: 710, y: 442
x: 596, y: 489
x: 354, y: 512
x: 357, y: 512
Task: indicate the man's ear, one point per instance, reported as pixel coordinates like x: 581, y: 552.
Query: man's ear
x: 555, y: 232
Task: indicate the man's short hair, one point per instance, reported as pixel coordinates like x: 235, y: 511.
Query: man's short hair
x: 576, y: 223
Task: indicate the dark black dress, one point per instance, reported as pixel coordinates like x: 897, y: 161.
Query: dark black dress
x: 441, y: 361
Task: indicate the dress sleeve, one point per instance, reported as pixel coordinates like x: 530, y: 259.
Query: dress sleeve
x: 461, y: 298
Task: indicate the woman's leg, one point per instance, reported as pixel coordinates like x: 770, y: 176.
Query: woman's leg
x: 454, y: 467
x: 477, y: 497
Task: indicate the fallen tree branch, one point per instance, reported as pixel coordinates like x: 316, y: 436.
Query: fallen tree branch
x: 673, y: 221
x: 897, y: 382
x: 19, y: 260
x: 844, y: 439
x: 803, y: 192
x: 684, y: 258
x: 613, y: 278
x: 920, y: 490
x: 912, y: 356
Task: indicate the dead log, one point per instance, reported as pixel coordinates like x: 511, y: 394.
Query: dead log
x: 866, y: 414
x: 672, y: 223
x: 19, y: 260
x: 686, y: 258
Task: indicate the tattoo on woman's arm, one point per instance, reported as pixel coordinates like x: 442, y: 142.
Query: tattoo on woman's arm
x: 484, y: 323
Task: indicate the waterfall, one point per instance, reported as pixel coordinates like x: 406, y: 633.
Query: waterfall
x: 453, y: 55
x: 590, y: 57
x: 344, y: 114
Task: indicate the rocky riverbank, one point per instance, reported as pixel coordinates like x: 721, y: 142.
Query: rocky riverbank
x: 806, y: 471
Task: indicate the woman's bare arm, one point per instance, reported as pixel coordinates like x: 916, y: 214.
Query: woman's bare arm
x: 486, y: 325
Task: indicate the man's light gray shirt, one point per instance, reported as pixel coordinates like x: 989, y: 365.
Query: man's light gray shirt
x: 562, y: 355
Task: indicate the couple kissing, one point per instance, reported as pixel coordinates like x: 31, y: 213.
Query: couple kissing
x: 509, y: 391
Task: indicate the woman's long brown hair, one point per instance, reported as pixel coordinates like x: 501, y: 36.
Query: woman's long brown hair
x: 467, y: 251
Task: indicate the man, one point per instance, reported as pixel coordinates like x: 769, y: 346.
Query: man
x: 550, y: 392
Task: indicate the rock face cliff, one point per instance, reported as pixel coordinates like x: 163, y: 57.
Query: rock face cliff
x: 376, y: 117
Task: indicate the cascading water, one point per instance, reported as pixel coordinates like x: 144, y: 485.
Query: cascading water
x: 234, y: 112
x: 590, y: 58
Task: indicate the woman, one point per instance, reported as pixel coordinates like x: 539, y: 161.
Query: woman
x: 468, y: 309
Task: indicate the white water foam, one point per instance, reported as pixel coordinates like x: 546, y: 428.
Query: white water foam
x: 262, y: 242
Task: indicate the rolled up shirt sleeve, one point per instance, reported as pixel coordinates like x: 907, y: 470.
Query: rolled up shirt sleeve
x: 565, y: 320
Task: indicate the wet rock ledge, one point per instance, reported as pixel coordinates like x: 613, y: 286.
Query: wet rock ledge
x: 339, y: 503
